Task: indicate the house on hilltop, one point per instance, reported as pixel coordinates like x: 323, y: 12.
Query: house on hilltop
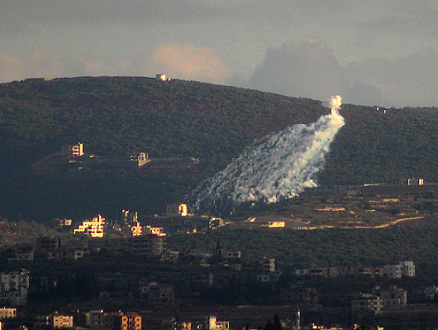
x: 73, y: 150
x: 161, y: 77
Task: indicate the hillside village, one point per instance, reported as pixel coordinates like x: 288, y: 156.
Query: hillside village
x: 72, y: 159
x: 216, y: 268
x: 123, y: 251
x: 182, y: 278
x: 135, y: 281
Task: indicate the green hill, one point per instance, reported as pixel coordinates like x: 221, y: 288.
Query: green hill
x: 117, y: 116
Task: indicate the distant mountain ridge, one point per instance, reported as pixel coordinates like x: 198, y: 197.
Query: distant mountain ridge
x: 125, y: 115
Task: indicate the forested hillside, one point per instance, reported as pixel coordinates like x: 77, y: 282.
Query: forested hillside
x: 120, y: 115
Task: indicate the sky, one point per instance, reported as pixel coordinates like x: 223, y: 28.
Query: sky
x: 371, y: 52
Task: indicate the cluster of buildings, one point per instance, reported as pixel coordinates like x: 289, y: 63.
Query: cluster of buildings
x: 92, y: 228
x: 127, y: 224
x: 313, y: 326
x: 148, y: 240
x: 379, y: 300
x: 396, y: 271
x: 75, y: 154
x: 101, y: 320
x: 47, y: 248
x: 98, y: 320
x: 403, y: 268
x: 80, y: 162
x: 210, y: 322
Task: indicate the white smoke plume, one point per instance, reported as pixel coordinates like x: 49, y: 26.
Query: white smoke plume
x: 277, y: 167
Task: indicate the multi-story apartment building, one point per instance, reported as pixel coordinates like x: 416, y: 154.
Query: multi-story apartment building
x: 117, y: 321
x: 380, y: 299
x: 73, y: 150
x: 393, y: 271
x: 160, y: 294
x: 93, y: 228
x: 95, y: 319
x: 408, y: 268
x: 8, y: 313
x: 57, y: 320
x: 367, y: 302
x: 130, y: 321
x: 149, y: 245
x: 393, y: 297
x: 403, y: 268
x: 14, y: 287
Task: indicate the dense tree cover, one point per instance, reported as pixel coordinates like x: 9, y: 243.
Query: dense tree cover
x: 383, y: 146
x: 333, y: 247
x: 114, y: 116
x: 120, y: 115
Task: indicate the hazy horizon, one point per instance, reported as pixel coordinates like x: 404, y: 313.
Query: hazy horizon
x: 370, y: 52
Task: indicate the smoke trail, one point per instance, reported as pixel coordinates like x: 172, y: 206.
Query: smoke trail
x: 277, y: 167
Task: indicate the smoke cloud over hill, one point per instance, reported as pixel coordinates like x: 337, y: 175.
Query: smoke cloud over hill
x: 275, y: 168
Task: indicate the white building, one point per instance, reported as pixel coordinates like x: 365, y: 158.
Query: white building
x: 403, y: 268
x: 408, y: 268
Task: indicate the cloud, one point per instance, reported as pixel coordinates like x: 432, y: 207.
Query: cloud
x: 186, y: 61
x: 182, y: 61
x: 40, y: 63
x: 408, y: 81
x: 23, y: 14
x: 307, y: 69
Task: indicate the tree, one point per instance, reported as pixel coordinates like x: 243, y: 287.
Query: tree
x: 277, y: 323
